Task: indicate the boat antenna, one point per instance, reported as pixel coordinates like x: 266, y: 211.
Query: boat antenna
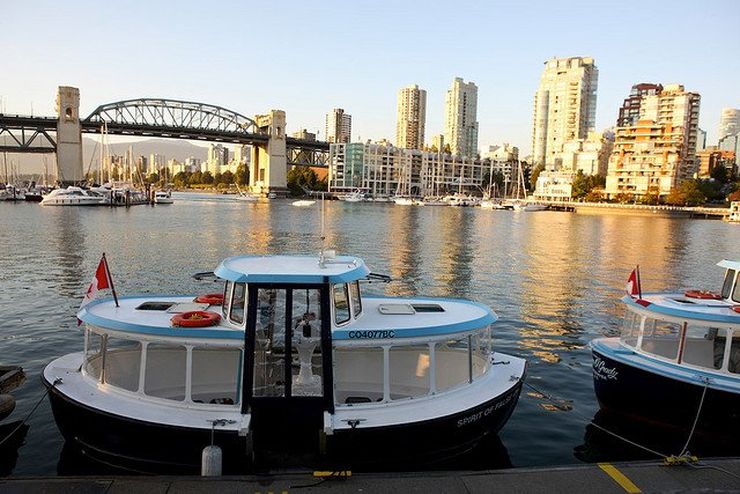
x: 323, y: 234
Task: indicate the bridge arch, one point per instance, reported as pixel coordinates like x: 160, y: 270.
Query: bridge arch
x: 173, y: 114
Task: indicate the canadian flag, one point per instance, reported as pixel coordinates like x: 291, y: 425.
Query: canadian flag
x: 100, y: 281
x: 633, y: 287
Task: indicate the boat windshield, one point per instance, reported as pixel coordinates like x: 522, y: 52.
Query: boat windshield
x: 630, y: 329
x: 727, y: 285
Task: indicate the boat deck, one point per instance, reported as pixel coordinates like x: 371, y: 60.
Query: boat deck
x: 678, y: 305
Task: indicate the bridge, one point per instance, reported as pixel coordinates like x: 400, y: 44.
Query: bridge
x: 272, y: 151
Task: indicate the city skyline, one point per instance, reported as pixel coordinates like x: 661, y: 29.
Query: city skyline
x: 233, y: 75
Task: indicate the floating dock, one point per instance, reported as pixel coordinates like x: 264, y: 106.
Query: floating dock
x: 605, y: 478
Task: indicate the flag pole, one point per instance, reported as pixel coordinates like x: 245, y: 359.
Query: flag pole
x: 110, y: 280
x: 639, y: 283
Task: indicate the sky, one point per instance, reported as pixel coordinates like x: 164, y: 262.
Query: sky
x: 309, y: 57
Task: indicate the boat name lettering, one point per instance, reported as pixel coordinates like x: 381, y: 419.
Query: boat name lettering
x: 372, y: 334
x: 485, y: 412
x: 601, y: 371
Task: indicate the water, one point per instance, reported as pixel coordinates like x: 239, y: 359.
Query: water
x: 554, y: 279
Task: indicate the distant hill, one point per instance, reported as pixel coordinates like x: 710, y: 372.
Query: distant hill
x: 170, y: 148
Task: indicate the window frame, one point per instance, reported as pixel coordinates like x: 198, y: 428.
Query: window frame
x: 244, y: 307
x: 354, y: 287
x: 334, y: 305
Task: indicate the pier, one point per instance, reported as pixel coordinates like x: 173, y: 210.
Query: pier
x: 605, y: 478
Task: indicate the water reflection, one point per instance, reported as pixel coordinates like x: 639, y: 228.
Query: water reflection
x: 453, y: 265
x: 69, y: 236
x: 404, y: 240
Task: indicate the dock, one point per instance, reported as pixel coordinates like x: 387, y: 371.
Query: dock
x: 639, y: 209
x: 719, y: 475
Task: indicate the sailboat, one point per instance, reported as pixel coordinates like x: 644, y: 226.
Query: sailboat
x: 521, y: 204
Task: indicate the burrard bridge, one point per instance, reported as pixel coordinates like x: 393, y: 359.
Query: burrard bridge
x: 272, y: 151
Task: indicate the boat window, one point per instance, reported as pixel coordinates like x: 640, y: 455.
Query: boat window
x: 451, y: 365
x: 661, y: 338
x: 358, y: 376
x: 736, y: 293
x: 121, y: 363
x: 216, y: 374
x: 409, y: 371
x: 733, y: 358
x: 269, y: 343
x: 94, y: 354
x: 428, y: 308
x: 165, y: 371
x: 227, y: 300
x: 306, y: 343
x: 354, y: 289
x: 630, y: 328
x: 704, y: 346
x: 155, y: 306
x: 479, y: 350
x: 341, y: 303
x: 236, y: 313
x: 727, y: 285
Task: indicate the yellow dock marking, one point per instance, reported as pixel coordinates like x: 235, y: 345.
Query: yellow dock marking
x: 620, y: 478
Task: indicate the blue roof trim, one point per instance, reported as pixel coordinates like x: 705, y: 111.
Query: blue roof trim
x: 225, y: 272
x: 685, y: 314
x: 212, y: 332
x: 489, y: 318
x: 691, y: 375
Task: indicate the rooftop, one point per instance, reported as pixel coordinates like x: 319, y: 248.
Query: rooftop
x: 291, y: 269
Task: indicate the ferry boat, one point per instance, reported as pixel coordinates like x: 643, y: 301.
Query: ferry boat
x: 678, y: 356
x: 73, y: 196
x: 291, y: 356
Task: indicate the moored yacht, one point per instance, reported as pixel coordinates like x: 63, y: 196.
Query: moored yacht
x: 73, y: 196
x: 163, y: 197
x: 677, y: 360
x: 290, y: 356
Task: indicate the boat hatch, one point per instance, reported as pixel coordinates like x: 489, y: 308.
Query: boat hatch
x: 155, y: 306
x: 186, y: 307
x: 428, y: 307
x: 396, y: 309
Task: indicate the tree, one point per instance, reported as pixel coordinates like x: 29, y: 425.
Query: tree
x: 734, y: 196
x: 181, y: 179
x: 535, y: 175
x: 687, y: 194
x: 152, y: 178
x: 594, y: 196
x: 652, y: 197
x: 300, y: 177
x: 207, y: 178
x: 580, y: 186
x: 447, y: 149
x: 623, y: 197
x: 242, y: 174
x: 720, y: 174
x: 227, y: 177
x: 196, y: 178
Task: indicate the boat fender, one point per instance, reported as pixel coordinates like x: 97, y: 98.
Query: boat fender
x: 7, y: 405
x: 211, y: 461
x: 702, y: 294
x: 210, y: 299
x: 195, y: 319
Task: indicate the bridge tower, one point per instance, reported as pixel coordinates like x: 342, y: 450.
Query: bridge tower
x: 69, y: 136
x: 269, y: 165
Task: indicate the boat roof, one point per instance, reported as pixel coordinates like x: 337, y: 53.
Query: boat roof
x: 679, y: 306
x: 291, y: 269
x: 728, y: 264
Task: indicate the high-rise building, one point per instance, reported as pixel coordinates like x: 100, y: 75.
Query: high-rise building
x: 629, y: 113
x: 218, y: 157
x: 338, y: 126
x: 655, y: 154
x: 305, y: 135
x: 729, y: 122
x: 438, y: 142
x: 461, y: 114
x: 156, y: 163
x: 701, y: 139
x: 411, y: 115
x: 564, y: 106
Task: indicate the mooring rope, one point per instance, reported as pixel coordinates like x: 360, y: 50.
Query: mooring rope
x: 58, y: 380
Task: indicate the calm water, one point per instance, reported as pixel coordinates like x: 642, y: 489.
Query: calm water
x: 553, y: 278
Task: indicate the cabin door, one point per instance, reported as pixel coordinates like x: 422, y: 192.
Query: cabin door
x: 288, y: 336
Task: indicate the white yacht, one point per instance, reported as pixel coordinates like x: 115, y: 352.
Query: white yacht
x: 292, y: 356
x: 73, y: 196
x: 163, y: 197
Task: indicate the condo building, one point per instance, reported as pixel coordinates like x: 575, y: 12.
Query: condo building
x: 461, y: 118
x: 411, y: 117
x: 658, y: 151
x: 564, y: 106
x: 338, y: 126
x: 629, y: 113
x: 729, y: 122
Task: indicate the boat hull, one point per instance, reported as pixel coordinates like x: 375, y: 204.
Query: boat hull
x: 158, y: 448
x: 639, y: 394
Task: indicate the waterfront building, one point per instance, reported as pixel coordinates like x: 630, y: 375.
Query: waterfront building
x: 554, y: 185
x: 701, y: 139
x: 731, y: 143
x: 564, y: 106
x: 729, y: 122
x: 218, y: 157
x: 629, y: 112
x: 589, y: 155
x: 411, y: 114
x: 156, y: 163
x: 502, y: 152
x: 461, y: 118
x: 384, y: 169
x: 338, y: 126
x: 711, y: 158
x: 658, y: 152
x: 192, y: 164
x: 438, y: 142
x: 304, y: 135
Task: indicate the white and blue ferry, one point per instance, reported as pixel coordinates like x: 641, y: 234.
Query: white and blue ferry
x: 290, y: 357
x: 678, y: 356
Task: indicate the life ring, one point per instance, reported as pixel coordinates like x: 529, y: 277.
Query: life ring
x: 736, y: 308
x: 195, y: 319
x: 703, y: 294
x: 210, y: 299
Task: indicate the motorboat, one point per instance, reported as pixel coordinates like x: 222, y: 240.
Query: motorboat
x: 676, y: 360
x: 73, y: 196
x: 291, y: 356
x: 461, y: 200
x: 435, y: 201
x: 407, y: 201
x: 303, y: 203
x: 12, y: 193
x: 163, y: 197
x: 491, y: 204
x: 355, y: 196
x: 519, y: 205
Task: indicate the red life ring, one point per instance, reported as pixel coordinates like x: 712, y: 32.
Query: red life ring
x: 210, y: 299
x: 736, y: 309
x: 195, y: 319
x: 703, y: 294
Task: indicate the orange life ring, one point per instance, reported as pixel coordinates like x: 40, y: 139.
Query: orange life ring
x: 703, y: 294
x: 736, y: 309
x: 195, y: 319
x: 210, y: 299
